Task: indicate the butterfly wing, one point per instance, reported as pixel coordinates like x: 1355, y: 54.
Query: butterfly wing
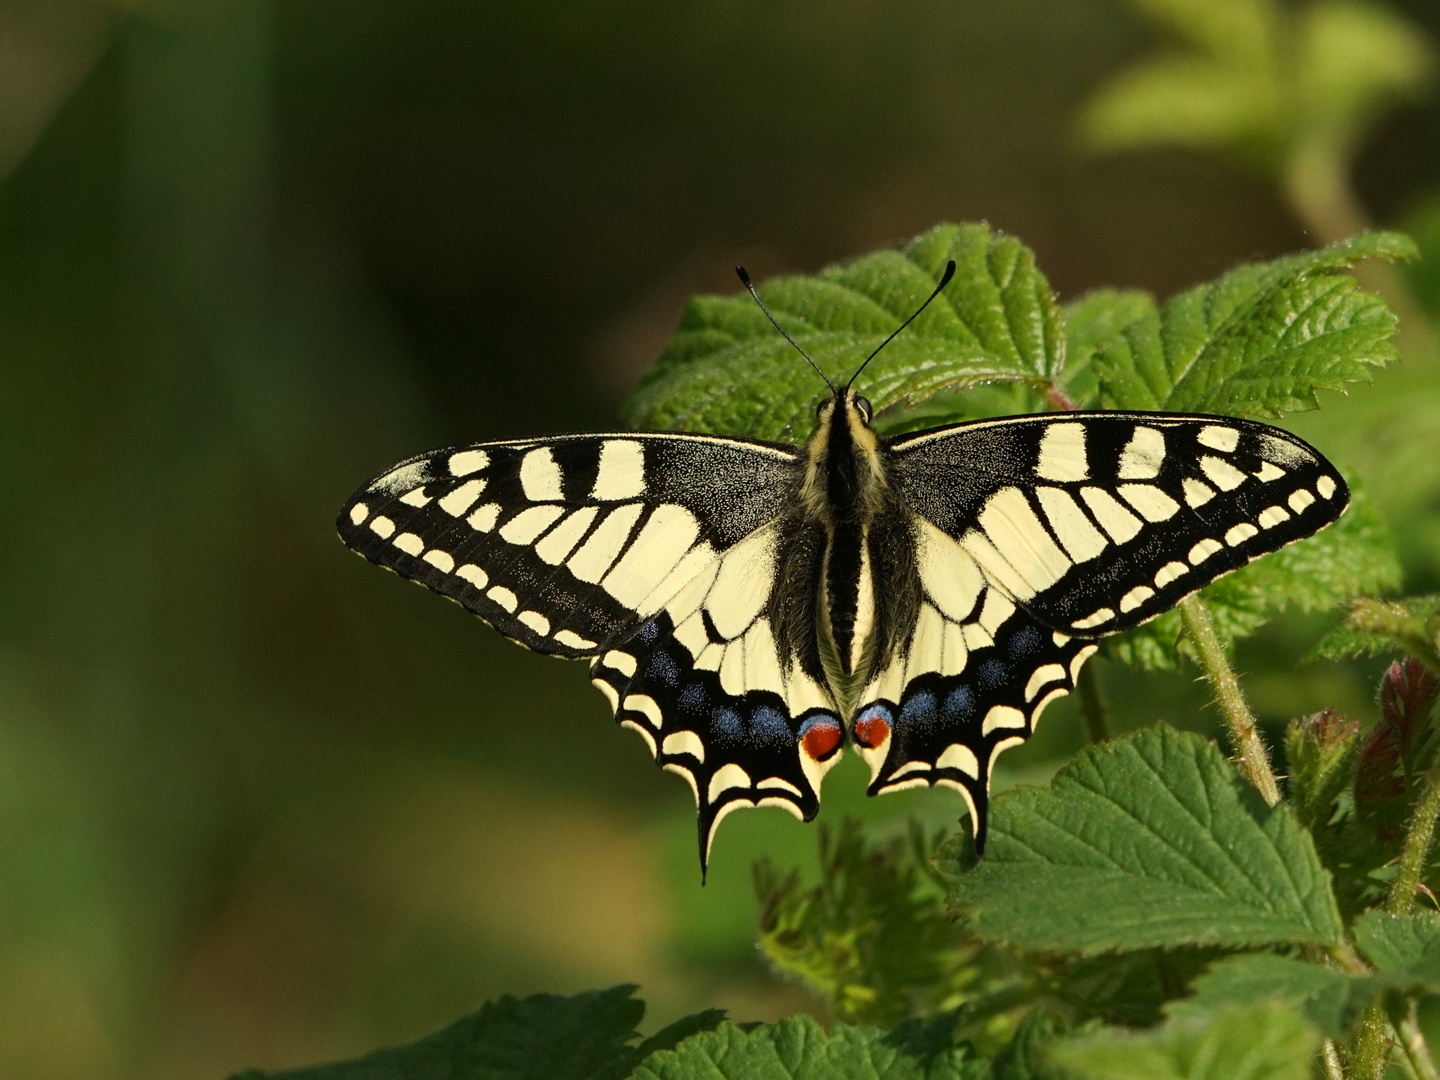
x: 717, y: 701
x: 651, y: 555
x: 1035, y: 536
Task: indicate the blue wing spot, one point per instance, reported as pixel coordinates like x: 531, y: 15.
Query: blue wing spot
x: 959, y: 704
x: 727, y: 722
x: 664, y: 668
x: 919, y: 710
x: 649, y: 632
x: 991, y: 673
x: 1025, y: 641
x: 769, y: 726
x: 693, y: 698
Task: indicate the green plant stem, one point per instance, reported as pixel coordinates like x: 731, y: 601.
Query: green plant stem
x: 1368, y: 1050
x: 1092, y: 706
x: 1254, y: 760
x: 1412, y: 1041
x: 1330, y: 1060
x: 1417, y: 844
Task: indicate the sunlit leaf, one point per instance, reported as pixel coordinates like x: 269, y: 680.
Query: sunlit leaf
x: 728, y: 371
x: 1148, y: 841
x: 799, y: 1047
x: 1260, y: 341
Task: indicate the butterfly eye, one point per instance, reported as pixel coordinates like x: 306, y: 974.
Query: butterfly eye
x: 863, y: 404
x: 820, y: 406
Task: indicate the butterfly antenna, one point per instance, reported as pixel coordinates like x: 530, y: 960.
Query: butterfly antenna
x: 745, y: 280
x: 944, y: 280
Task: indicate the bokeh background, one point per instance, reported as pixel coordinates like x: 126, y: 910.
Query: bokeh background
x: 261, y: 804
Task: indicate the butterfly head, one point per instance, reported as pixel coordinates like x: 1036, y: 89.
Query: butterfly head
x: 844, y: 465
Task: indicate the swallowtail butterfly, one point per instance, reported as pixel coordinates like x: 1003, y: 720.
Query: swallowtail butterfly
x: 749, y: 607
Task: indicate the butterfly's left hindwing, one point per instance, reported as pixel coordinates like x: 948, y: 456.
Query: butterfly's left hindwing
x: 652, y: 555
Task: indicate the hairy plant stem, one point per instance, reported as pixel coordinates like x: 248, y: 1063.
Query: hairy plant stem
x: 1254, y: 760
x: 1412, y: 1042
x: 1330, y: 1060
x: 1092, y: 705
x: 1369, y: 1052
x: 1417, y: 844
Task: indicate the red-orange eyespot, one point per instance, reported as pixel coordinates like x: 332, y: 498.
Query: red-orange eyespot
x: 871, y: 731
x: 821, y: 738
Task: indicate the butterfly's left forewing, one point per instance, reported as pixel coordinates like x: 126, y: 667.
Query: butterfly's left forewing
x: 651, y: 555
x: 1037, y: 535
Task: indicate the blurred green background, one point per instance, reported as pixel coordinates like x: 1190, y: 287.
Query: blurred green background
x: 261, y: 804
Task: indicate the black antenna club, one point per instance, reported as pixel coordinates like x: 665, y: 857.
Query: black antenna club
x: 745, y: 280
x: 944, y: 280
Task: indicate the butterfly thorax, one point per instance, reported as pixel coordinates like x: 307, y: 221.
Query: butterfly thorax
x: 849, y: 534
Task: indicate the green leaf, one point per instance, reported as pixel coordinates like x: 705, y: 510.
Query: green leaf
x: 1353, y: 60
x: 1282, y: 89
x: 1024, y: 1058
x: 673, y: 1034
x: 728, y: 371
x: 544, y: 1037
x: 1092, y: 322
x: 1260, y: 341
x: 1148, y: 841
x: 1354, y: 556
x: 1377, y: 627
x: 1400, y: 944
x: 1330, y: 998
x: 1321, y: 750
x: 1268, y: 1042
x: 798, y: 1047
x: 1189, y: 101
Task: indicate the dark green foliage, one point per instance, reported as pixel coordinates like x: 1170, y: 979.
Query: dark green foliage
x: 873, y: 937
x: 1321, y: 750
x: 545, y: 1037
x: 1271, y: 1042
x: 1382, y: 772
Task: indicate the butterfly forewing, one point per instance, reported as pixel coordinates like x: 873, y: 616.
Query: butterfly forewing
x: 1096, y: 522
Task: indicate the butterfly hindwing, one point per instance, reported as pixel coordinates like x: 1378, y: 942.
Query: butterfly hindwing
x: 1096, y: 522
x: 970, y: 682
x: 705, y: 684
x: 562, y: 543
